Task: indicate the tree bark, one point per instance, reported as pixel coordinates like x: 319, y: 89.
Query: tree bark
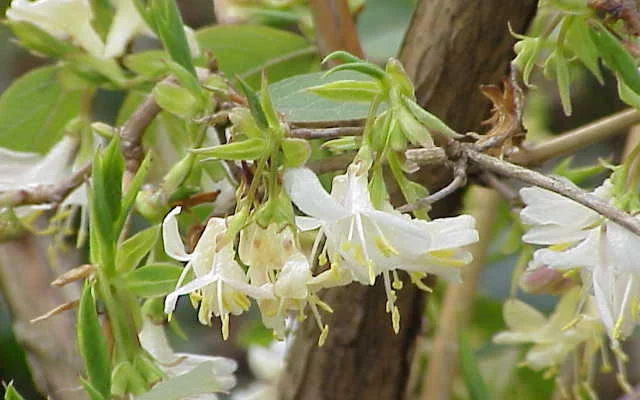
x: 25, y: 278
x: 450, y: 49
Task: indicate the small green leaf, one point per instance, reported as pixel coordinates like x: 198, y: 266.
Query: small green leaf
x: 296, y: 152
x: 254, y: 104
x: 577, y: 174
x: 470, y: 371
x: 246, y: 50
x: 412, y: 129
x: 176, y: 100
x: 96, y: 70
x: 93, y: 393
x: 103, y: 13
x: 133, y: 250
x: 244, y: 123
x: 39, y: 41
x: 250, y: 149
x: 150, y: 64
x: 153, y: 280
x: 366, y: 68
x: 342, y: 56
x: 616, y: 56
x: 134, y: 187
x: 35, y: 109
x: 267, y: 104
x: 627, y: 95
x: 348, y: 90
x: 564, y: 82
x: 170, y: 29
x: 579, y: 41
x: 292, y: 99
x: 429, y: 120
x: 93, y: 345
x: 190, y: 82
x: 11, y: 393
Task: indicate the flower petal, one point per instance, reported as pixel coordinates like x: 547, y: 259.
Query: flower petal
x: 306, y: 192
x: 198, y: 283
x: 546, y: 207
x: 173, y: 244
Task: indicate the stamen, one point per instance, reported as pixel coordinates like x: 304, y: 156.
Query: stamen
x: 397, y: 282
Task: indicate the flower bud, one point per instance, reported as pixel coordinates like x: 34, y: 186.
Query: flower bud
x: 10, y: 226
x: 545, y: 280
x: 151, y: 204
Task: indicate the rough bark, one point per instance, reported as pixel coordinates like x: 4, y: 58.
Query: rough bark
x: 25, y: 277
x: 450, y: 49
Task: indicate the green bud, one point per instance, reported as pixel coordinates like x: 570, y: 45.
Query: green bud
x: 237, y: 221
x: 176, y: 100
x: 295, y: 151
x: 10, y: 226
x: 250, y: 149
x: 348, y: 90
x: 341, y: 145
x: 151, y: 204
x: 178, y: 173
x: 104, y: 130
x: 412, y: 129
x: 398, y: 78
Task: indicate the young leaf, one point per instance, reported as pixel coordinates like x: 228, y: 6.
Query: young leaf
x: 250, y: 149
x: 11, y: 393
x: 616, y: 56
x: 296, y: 152
x: 412, y: 129
x: 132, y: 192
x: 170, y: 29
x: 189, y: 81
x: 150, y: 64
x: 176, y: 100
x: 363, y: 67
x: 579, y: 41
x: 93, y: 393
x: 627, y: 95
x: 133, y: 250
x: 34, y: 110
x: 39, y: 41
x: 342, y: 56
x: 153, y: 280
x: 564, y: 82
x: 429, y: 120
x: 348, y: 90
x: 254, y: 104
x: 92, y: 344
x: 107, y: 190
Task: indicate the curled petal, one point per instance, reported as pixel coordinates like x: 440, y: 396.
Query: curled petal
x: 306, y: 192
x: 173, y: 244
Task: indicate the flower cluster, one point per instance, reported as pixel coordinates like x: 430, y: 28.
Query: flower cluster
x: 605, y: 253
x: 362, y: 243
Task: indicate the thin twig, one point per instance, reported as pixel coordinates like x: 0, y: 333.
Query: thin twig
x: 325, y: 133
x: 568, y: 142
x: 53, y: 193
x: 574, y: 193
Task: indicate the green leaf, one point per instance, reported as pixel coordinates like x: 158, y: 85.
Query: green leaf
x: 133, y: 250
x: 342, y: 56
x: 292, y: 99
x: 250, y: 149
x: 93, y: 344
x: 132, y: 192
x: 254, y: 104
x: 34, y: 110
x: 103, y: 13
x: 96, y: 70
x: 616, y: 56
x: 627, y: 95
x: 246, y: 50
x: 470, y: 372
x: 153, y: 280
x: 170, y: 29
x: 359, y: 91
x: 579, y: 41
x: 577, y: 174
x: 412, y: 129
x: 296, y: 152
x: 93, y: 393
x: 190, y: 82
x: 39, y: 41
x: 365, y: 68
x: 564, y: 82
x: 176, y: 100
x: 150, y: 64
x: 429, y: 120
x: 11, y: 393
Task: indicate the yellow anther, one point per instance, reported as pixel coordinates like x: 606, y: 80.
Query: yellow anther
x: 323, y: 335
x: 395, y: 319
x: 385, y: 247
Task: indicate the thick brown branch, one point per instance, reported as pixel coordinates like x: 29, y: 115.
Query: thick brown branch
x: 53, y: 194
x: 334, y: 27
x: 531, y: 177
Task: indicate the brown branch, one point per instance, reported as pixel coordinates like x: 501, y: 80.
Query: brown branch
x: 458, y: 301
x: 335, y: 29
x: 325, y: 133
x: 570, y: 141
x: 574, y: 193
x: 53, y: 193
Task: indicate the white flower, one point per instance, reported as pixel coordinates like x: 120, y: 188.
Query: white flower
x: 62, y: 19
x: 220, y: 284
x: 369, y: 242
x: 219, y: 369
x: 554, y: 337
x: 578, y: 237
x: 20, y: 170
x: 267, y: 365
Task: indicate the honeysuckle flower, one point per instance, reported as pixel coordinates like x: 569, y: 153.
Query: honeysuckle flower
x: 554, y: 337
x: 578, y: 237
x: 220, y: 369
x: 62, y: 19
x: 20, y: 170
x: 267, y: 365
x: 369, y: 242
x: 220, y: 285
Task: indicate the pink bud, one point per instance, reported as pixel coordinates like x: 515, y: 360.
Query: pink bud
x: 545, y: 280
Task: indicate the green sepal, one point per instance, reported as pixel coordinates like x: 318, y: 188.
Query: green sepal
x: 429, y: 120
x: 295, y: 152
x: 39, y: 41
x: 131, y: 252
x: 250, y: 149
x: 153, y: 280
x: 378, y: 188
x: 93, y: 344
x: 167, y: 22
x: 411, y: 191
x: 120, y: 378
x: 616, y: 56
x: 108, y: 168
x: 412, y: 129
x: 398, y: 78
x: 176, y: 100
x: 348, y: 90
x: 153, y: 308
x: 377, y: 137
